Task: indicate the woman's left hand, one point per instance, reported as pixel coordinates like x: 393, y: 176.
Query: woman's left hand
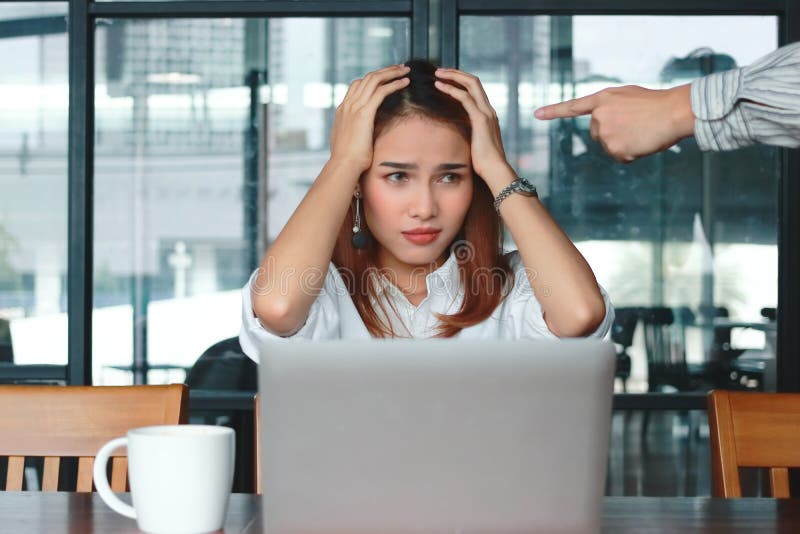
x: 488, y: 156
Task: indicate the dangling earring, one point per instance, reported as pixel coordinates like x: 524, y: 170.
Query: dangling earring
x: 360, y: 237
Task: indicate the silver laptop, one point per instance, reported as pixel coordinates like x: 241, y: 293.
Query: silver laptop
x: 435, y: 436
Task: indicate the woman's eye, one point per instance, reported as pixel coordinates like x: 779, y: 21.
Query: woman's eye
x: 396, y: 176
x: 450, y: 178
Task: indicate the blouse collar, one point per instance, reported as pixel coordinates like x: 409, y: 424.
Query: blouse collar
x: 444, y: 280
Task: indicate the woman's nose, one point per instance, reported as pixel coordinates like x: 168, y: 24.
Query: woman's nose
x: 423, y: 204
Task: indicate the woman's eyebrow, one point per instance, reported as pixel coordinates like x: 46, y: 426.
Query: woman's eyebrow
x: 414, y: 166
x: 450, y: 166
x: 395, y: 165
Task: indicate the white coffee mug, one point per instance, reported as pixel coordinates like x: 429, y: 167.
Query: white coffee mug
x: 180, y: 477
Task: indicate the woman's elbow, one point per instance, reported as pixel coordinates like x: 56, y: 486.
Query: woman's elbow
x: 275, y: 316
x: 591, y: 316
x: 584, y: 320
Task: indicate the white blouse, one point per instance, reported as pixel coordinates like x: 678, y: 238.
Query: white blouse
x: 334, y: 316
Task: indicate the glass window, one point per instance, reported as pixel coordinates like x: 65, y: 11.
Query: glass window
x: 208, y: 134
x: 33, y: 182
x: 688, y: 239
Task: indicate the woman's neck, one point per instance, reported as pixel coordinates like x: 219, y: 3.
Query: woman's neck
x: 409, y: 278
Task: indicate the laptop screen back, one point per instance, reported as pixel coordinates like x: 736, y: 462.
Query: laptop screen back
x: 435, y: 435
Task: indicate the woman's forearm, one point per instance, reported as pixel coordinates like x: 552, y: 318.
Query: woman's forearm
x: 560, y: 277
x: 293, y: 269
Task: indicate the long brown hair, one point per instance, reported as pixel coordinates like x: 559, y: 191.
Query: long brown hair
x: 484, y: 272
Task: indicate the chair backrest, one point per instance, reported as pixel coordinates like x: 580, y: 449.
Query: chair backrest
x: 55, y: 422
x: 658, y: 340
x: 684, y: 318
x: 224, y: 366
x: 257, y: 451
x: 750, y: 429
x: 625, y: 321
x: 665, y: 345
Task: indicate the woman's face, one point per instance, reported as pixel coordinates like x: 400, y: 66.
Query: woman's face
x: 420, y: 178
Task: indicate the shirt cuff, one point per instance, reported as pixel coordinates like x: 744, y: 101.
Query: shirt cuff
x: 719, y: 122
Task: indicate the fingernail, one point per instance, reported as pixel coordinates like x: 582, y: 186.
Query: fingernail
x: 539, y: 114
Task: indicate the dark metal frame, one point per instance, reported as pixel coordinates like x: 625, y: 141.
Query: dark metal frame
x: 621, y: 7
x: 80, y: 253
x: 788, y: 238
x: 11, y: 373
x: 448, y: 33
x: 80, y: 24
x: 33, y: 26
x: 251, y: 8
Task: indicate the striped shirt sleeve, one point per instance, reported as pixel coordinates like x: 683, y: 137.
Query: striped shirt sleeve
x: 759, y: 103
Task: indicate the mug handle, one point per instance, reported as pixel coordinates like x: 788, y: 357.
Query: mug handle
x: 101, y: 480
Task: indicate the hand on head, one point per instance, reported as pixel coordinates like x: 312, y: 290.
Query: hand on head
x: 488, y: 155
x: 631, y: 122
x: 351, y: 135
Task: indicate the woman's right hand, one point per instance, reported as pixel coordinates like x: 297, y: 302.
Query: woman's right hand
x: 351, y: 135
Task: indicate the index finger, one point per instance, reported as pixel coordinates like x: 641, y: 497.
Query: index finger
x: 570, y: 108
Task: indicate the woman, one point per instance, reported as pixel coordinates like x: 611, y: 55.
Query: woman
x: 399, y: 235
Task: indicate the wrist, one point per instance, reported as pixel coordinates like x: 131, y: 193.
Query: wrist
x: 681, y: 108
x: 498, y: 178
x: 345, y: 167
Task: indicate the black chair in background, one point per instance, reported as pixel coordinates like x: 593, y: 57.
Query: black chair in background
x: 6, y: 347
x: 625, y: 321
x: 225, y: 367
x: 721, y: 352
x: 665, y: 345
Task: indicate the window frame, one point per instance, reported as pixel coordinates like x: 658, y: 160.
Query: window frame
x: 434, y: 34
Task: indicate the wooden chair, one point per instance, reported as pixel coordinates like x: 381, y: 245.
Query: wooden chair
x: 75, y: 421
x: 257, y: 462
x: 751, y: 429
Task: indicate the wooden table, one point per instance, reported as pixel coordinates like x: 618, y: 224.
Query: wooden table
x: 78, y: 513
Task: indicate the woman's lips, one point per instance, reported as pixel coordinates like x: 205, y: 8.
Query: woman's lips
x: 422, y: 239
